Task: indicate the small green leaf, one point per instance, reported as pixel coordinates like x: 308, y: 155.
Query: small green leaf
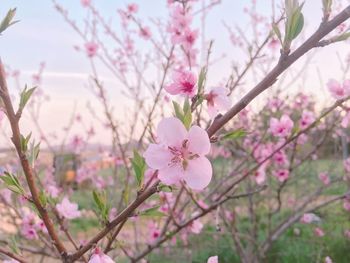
x: 12, y: 183
x: 165, y: 188
x: 233, y: 135
x: 277, y: 31
x: 139, y: 166
x: 25, y: 96
x: 178, y: 111
x: 7, y: 21
x: 201, y: 79
x: 153, y: 211
x: 24, y: 142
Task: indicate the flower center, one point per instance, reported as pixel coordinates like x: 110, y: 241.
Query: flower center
x: 181, y: 155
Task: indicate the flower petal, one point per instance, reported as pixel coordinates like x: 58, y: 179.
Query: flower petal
x: 198, y: 141
x: 198, y: 173
x: 171, y: 132
x: 170, y: 174
x: 157, y: 156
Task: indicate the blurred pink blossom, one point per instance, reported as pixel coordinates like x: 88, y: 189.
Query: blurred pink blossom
x: 67, y: 209
x: 281, y: 127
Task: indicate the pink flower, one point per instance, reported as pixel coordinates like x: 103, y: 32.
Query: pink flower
x: 213, y: 259
x: 180, y: 154
x: 281, y: 127
x: 85, y: 3
x: 337, y: 90
x: 347, y: 233
x: 280, y: 158
x: 346, y: 163
x: 133, y: 8
x: 67, y: 209
x: 318, y: 232
x: 282, y: 175
x: 346, y: 205
x: 99, y: 257
x: 217, y: 100
x: 307, y: 118
x: 196, y: 226
x: 10, y: 261
x: 189, y: 38
x: 260, y: 176
x: 145, y: 32
x: 184, y: 82
x: 308, y: 218
x: 328, y: 260
x: 91, y: 49
x: 324, y: 178
x: 344, y: 123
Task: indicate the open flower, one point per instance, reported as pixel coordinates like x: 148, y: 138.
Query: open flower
x: 180, y: 154
x: 337, y: 90
x: 99, y: 257
x: 307, y: 118
x: 213, y: 259
x: 184, y: 82
x: 91, y: 49
x: 281, y: 127
x: 67, y: 209
x: 282, y: 175
x: 217, y: 100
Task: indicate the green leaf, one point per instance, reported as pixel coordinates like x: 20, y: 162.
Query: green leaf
x: 12, y: 183
x: 201, y: 79
x: 101, y: 202
x: 233, y: 135
x: 7, y: 21
x: 25, y: 96
x: 43, y: 198
x: 153, y: 211
x: 277, y: 31
x: 178, y: 111
x: 24, y: 142
x: 13, y: 245
x: 34, y: 153
x: 165, y: 188
x: 139, y: 166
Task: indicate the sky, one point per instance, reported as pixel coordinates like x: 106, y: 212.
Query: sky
x: 43, y: 36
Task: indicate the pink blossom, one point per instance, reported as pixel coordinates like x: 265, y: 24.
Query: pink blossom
x: 67, y: 209
x: 180, y: 154
x: 91, y: 49
x: 307, y: 118
x: 10, y: 261
x: 337, y: 90
x: 346, y: 205
x: 346, y: 120
x: 85, y: 3
x: 184, y: 82
x: 347, y: 233
x: 281, y: 127
x: 196, y: 226
x: 308, y: 218
x: 217, y: 100
x: 189, y: 38
x: 145, y: 32
x: 280, y: 158
x: 213, y: 259
x: 99, y: 257
x: 260, y: 176
x: 328, y: 260
x: 319, y: 232
x: 324, y: 178
x: 346, y: 164
x: 282, y: 175
x: 132, y: 8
